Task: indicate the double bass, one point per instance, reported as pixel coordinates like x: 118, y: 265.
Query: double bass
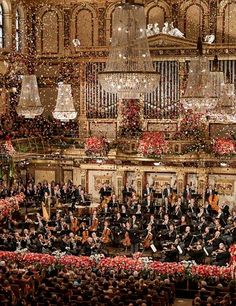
x: 213, y: 201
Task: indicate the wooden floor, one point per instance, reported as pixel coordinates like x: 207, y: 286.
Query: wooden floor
x: 182, y: 302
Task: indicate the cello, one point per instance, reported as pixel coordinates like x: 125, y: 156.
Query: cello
x: 105, y: 238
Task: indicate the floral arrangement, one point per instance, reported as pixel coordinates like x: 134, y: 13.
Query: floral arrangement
x: 118, y: 263
x: 224, y: 146
x: 96, y: 146
x: 153, y: 144
x: 166, y: 269
x: 121, y: 263
x: 131, y: 122
x: 8, y: 205
x: 207, y: 271
x: 78, y: 262
x: 193, y: 126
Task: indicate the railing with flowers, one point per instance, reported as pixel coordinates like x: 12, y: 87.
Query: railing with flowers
x: 153, y: 144
x: 175, y: 271
x: 10, y: 204
x: 223, y: 146
x: 96, y: 146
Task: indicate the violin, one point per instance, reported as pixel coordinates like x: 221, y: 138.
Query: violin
x: 147, y: 241
x: 126, y: 241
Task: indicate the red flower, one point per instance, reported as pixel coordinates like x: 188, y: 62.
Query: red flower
x: 96, y: 145
x: 223, y: 146
x: 153, y: 144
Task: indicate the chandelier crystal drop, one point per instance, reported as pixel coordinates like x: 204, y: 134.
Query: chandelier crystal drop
x: 65, y: 109
x: 129, y: 70
x: 29, y: 105
x: 202, y: 90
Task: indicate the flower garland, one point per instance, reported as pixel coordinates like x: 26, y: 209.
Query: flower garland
x: 224, y: 146
x: 153, y: 144
x: 123, y: 263
x: 193, y: 126
x: 11, y: 204
x: 96, y: 146
x: 131, y: 122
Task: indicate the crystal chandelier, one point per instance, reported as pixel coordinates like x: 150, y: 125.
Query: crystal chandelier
x: 129, y: 70
x: 29, y: 105
x: 226, y: 107
x: 202, y: 89
x: 65, y: 109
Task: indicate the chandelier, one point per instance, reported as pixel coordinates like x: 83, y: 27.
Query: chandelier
x: 65, y: 109
x: 202, y: 90
x: 129, y: 70
x: 29, y: 105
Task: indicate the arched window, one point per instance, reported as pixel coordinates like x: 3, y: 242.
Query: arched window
x: 1, y: 26
x: 18, y: 34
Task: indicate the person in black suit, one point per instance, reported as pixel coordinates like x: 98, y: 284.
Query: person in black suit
x: 147, y: 191
x: 83, y: 200
x: 187, y: 194
x: 225, y: 210
x: 127, y: 192
x: 104, y: 191
x: 222, y: 256
x: 167, y: 191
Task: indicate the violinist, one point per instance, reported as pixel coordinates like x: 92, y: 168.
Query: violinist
x: 171, y: 236
x: 222, y: 255
x: 196, y: 252
x: 96, y: 243
x: 213, y: 243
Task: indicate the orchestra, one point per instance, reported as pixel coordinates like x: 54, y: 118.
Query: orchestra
x: 174, y: 225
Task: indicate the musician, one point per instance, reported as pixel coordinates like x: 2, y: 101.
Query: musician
x: 209, y: 192
x: 171, y: 253
x: 126, y: 241
x: 222, y: 255
x: 213, y: 243
x: 94, y: 222
x: 113, y: 203
x: 148, y: 204
x: 83, y: 199
x: 167, y: 192
x: 196, y: 252
x: 206, y: 236
x: 147, y: 191
x: 225, y: 210
x: 148, y: 237
x: 105, y: 191
x: 127, y: 191
x: 106, y: 233
x: 187, y: 237
x: 95, y: 243
x: 187, y: 194
x: 134, y: 239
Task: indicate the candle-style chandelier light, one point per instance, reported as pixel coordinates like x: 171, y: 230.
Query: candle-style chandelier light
x: 129, y: 70
x: 65, y: 109
x: 29, y: 105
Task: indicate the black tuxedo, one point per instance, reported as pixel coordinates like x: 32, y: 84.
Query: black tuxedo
x: 167, y: 192
x: 147, y: 191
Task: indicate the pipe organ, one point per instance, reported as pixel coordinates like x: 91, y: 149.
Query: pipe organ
x: 163, y: 103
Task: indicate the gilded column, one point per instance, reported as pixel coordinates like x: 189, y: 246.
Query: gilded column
x: 119, y: 184
x: 83, y: 178
x: 139, y: 182
x: 180, y: 178
x: 202, y: 180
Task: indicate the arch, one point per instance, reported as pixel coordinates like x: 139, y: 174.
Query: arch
x: 7, y: 24
x: 49, y: 36
x: 195, y: 9
x: 158, y: 12
x: 228, y: 26
x: 88, y: 34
